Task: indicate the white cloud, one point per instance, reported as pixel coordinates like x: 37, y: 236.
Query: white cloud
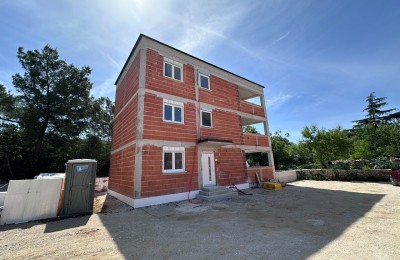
x: 281, y: 38
x: 204, y: 25
x: 105, y: 89
x: 278, y: 100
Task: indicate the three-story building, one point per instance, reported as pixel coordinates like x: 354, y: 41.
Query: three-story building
x: 178, y: 127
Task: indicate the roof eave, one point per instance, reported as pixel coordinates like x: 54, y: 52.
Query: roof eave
x: 142, y: 35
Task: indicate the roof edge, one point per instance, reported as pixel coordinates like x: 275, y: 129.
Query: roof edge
x: 129, y: 57
x: 175, y: 49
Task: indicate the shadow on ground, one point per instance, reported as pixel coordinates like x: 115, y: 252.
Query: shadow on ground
x: 52, y: 225
x: 295, y: 222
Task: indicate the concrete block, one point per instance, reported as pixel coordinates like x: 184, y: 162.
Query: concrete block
x: 286, y: 176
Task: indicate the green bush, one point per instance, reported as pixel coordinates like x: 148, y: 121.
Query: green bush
x: 343, y: 175
x: 381, y: 162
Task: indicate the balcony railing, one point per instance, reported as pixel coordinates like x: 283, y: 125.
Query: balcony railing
x: 255, y: 139
x: 252, y: 109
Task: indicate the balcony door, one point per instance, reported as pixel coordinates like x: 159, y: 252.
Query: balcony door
x: 208, y: 168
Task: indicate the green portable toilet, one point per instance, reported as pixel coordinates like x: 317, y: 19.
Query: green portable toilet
x: 80, y: 177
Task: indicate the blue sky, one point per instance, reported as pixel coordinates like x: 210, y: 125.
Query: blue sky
x: 318, y: 59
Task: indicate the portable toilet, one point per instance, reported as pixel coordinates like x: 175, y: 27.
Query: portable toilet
x: 80, y: 177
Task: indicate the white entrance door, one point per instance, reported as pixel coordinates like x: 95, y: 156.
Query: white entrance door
x: 208, y: 168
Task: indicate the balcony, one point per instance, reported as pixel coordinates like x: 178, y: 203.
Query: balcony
x: 252, y: 109
x: 255, y: 140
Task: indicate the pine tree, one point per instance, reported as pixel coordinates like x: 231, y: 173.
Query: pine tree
x: 376, y: 116
x: 54, y: 99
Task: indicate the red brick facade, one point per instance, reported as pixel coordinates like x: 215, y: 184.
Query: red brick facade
x: 128, y: 86
x: 230, y: 167
x: 154, y: 183
x: 222, y: 93
x: 156, y: 81
x: 142, y: 112
x: 225, y: 126
x: 122, y: 171
x: 156, y: 128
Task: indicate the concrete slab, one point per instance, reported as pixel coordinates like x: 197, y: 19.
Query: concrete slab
x: 28, y: 200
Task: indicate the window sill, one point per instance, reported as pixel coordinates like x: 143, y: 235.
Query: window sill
x: 206, y: 89
x: 177, y: 80
x: 173, y: 122
x: 206, y: 126
x: 173, y: 172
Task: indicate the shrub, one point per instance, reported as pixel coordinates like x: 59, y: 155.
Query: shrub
x: 343, y: 175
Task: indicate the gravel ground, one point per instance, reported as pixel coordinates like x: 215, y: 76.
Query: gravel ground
x: 308, y: 219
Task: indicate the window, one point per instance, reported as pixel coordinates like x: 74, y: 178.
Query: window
x: 172, y: 69
x: 206, y: 118
x: 173, y: 159
x: 204, y: 81
x: 173, y: 111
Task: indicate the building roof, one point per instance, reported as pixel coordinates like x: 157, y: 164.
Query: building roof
x: 142, y: 35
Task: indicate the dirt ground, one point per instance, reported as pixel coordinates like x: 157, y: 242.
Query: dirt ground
x: 308, y: 219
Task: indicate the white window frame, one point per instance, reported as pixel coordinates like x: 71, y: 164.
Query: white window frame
x: 211, y: 117
x: 174, y: 104
x: 206, y: 74
x: 174, y: 150
x: 174, y: 65
x: 208, y: 80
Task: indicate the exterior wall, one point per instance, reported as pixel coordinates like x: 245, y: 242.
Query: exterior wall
x: 125, y: 125
x: 266, y: 171
x: 122, y: 166
x: 255, y: 139
x: 155, y: 183
x: 128, y: 86
x: 225, y: 126
x: 122, y: 161
x: 155, y: 128
x: 155, y: 79
x: 222, y: 94
x: 252, y: 109
x: 230, y: 167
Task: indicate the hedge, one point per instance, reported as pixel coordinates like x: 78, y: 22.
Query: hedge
x: 375, y: 175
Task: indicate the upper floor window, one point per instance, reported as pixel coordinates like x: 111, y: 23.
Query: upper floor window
x: 173, y: 111
x: 173, y: 159
x: 172, y: 69
x: 204, y: 79
x: 206, y: 118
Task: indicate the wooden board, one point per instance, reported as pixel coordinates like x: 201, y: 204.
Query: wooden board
x: 259, y: 179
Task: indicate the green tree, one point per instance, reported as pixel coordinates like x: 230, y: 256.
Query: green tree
x: 250, y: 129
x: 375, y: 114
x: 7, y: 102
x: 300, y: 155
x: 12, y: 161
x: 377, y: 134
x: 101, y: 116
x: 53, y: 99
x: 361, y: 150
x: 328, y: 145
x: 280, y: 148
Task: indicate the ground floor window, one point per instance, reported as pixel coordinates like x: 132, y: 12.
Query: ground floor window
x: 173, y: 159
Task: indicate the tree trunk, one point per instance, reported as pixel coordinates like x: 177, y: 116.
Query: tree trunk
x: 38, y: 150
